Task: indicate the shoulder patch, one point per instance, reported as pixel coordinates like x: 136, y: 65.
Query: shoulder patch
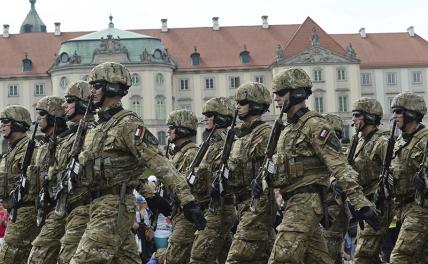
x: 324, y: 133
x: 334, y: 142
x: 150, y: 138
x: 138, y: 133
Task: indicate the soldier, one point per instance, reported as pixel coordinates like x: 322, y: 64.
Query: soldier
x: 182, y: 125
x: 308, y: 154
x: 408, y: 110
x: 113, y: 158
x: 254, y: 235
x: 212, y: 244
x: 46, y: 246
x: 367, y: 161
x: 15, y: 122
x: 336, y: 203
x: 51, y: 119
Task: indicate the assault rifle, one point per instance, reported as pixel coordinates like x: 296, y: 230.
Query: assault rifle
x: 268, y: 169
x: 190, y: 176
x: 222, y: 174
x: 17, y: 195
x: 422, y: 175
x: 386, y: 180
x: 67, y: 183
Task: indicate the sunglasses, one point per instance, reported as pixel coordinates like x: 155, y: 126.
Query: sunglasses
x: 281, y: 93
x: 5, y: 121
x: 209, y: 114
x: 398, y: 111
x: 172, y: 127
x: 42, y: 113
x: 70, y: 100
x: 357, y: 114
x: 243, y: 102
x: 98, y: 85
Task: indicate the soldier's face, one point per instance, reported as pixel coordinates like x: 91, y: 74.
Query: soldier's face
x: 97, y: 92
x: 281, y: 97
x: 171, y: 133
x: 209, y: 121
x: 69, y: 106
x: 243, y: 108
x: 43, y: 122
x: 398, y: 116
x: 358, y: 119
x: 5, y: 127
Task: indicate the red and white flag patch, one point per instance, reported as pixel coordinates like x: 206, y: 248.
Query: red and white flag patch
x: 324, y: 133
x: 138, y: 133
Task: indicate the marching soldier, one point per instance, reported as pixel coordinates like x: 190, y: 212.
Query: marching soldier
x: 408, y: 110
x: 212, y: 244
x: 114, y: 156
x: 308, y: 153
x: 182, y: 125
x: 15, y: 121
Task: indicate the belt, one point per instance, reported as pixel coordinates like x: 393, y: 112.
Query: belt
x: 242, y: 196
x: 114, y: 190
x: 313, y: 188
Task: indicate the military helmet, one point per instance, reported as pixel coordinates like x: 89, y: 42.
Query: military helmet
x: 410, y: 101
x: 221, y: 105
x: 293, y: 78
x: 254, y: 92
x: 80, y: 90
x: 368, y: 105
x: 110, y: 72
x: 16, y: 113
x: 335, y: 121
x: 52, y: 105
x: 183, y: 118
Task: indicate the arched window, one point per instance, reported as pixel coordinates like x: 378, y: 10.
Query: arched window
x: 137, y: 105
x: 160, y: 79
x: 162, y: 137
x: 135, y: 77
x: 160, y: 107
x: 196, y: 58
x: 245, y: 55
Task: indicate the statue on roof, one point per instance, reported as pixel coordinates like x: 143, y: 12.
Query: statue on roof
x: 315, y: 37
x: 280, y: 54
x: 350, y: 52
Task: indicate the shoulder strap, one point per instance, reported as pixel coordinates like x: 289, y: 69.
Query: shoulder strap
x: 116, y: 118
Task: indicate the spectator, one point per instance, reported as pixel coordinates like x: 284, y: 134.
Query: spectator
x: 142, y: 229
x: 162, y: 232
x: 3, y: 221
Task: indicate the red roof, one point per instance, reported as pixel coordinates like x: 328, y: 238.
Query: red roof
x: 220, y: 49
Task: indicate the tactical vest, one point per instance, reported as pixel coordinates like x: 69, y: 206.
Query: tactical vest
x: 184, y: 157
x: 368, y: 160
x: 405, y: 166
x: 106, y: 161
x: 10, y: 168
x: 243, y: 165
x: 297, y: 164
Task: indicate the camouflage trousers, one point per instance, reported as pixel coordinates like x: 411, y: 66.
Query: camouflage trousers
x: 18, y: 237
x: 46, y: 245
x: 75, y: 225
x: 212, y: 244
x: 254, y: 235
x: 181, y: 240
x: 107, y: 237
x: 411, y: 245
x: 369, y: 241
x: 334, y: 235
x: 299, y: 239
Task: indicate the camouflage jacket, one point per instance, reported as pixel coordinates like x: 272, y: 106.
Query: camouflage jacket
x: 184, y: 156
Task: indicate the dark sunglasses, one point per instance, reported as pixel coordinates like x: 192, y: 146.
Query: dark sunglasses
x: 98, y: 85
x: 42, y: 113
x: 398, y: 111
x: 243, y: 102
x: 5, y: 121
x: 172, y: 127
x: 70, y: 100
x: 209, y: 114
x: 281, y: 93
x: 357, y: 114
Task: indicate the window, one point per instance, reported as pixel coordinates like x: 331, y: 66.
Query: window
x: 39, y: 89
x: 27, y: 65
x: 245, y: 57
x: 391, y: 78
x: 184, y: 84
x: 63, y: 82
x: 209, y: 83
x: 234, y: 82
x: 162, y: 137
x: 366, y: 79
x: 319, y: 104
x: 159, y: 79
x: 346, y: 133
x: 260, y: 79
x: 185, y: 106
x: 341, y: 75
x: 343, y: 103
x: 317, y: 75
x: 13, y: 90
x: 136, y: 105
x: 160, y: 110
x: 196, y: 58
x: 135, y: 78
x: 416, y: 77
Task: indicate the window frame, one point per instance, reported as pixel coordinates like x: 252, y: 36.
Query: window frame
x: 342, y: 107
x: 258, y: 77
x: 184, y: 84
x: 368, y: 79
x: 319, y: 104
x: 209, y: 83
x: 395, y: 78
x: 15, y: 93
x: 341, y: 74
x: 417, y: 73
x: 316, y: 77
x: 234, y: 82
x: 38, y: 86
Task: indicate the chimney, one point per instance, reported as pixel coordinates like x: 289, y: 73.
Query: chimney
x: 265, y: 23
x: 5, y: 31
x: 164, y: 25
x: 57, y: 29
x: 411, y: 31
x: 363, y: 32
x: 216, y: 26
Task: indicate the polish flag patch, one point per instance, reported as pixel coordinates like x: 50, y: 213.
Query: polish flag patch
x: 324, y: 133
x: 138, y: 133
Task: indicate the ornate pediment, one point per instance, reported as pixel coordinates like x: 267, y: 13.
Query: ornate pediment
x: 110, y: 45
x: 318, y: 55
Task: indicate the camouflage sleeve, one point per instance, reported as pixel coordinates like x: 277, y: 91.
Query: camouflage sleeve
x: 327, y: 147
x: 260, y: 141
x: 417, y: 153
x: 187, y: 159
x: 379, y: 150
x: 144, y: 146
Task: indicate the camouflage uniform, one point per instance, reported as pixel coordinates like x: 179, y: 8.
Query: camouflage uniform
x: 46, y: 245
x: 253, y: 239
x: 368, y: 158
x: 308, y: 154
x: 18, y: 235
x: 183, y: 231
x: 337, y: 208
x: 409, y: 151
x: 212, y: 244
x: 113, y: 158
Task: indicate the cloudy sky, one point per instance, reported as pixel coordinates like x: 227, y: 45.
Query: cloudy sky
x: 335, y: 16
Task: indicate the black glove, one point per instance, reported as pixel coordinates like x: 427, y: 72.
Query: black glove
x: 193, y: 213
x: 159, y: 204
x: 215, y: 191
x: 256, y: 189
x: 419, y: 182
x: 369, y: 215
